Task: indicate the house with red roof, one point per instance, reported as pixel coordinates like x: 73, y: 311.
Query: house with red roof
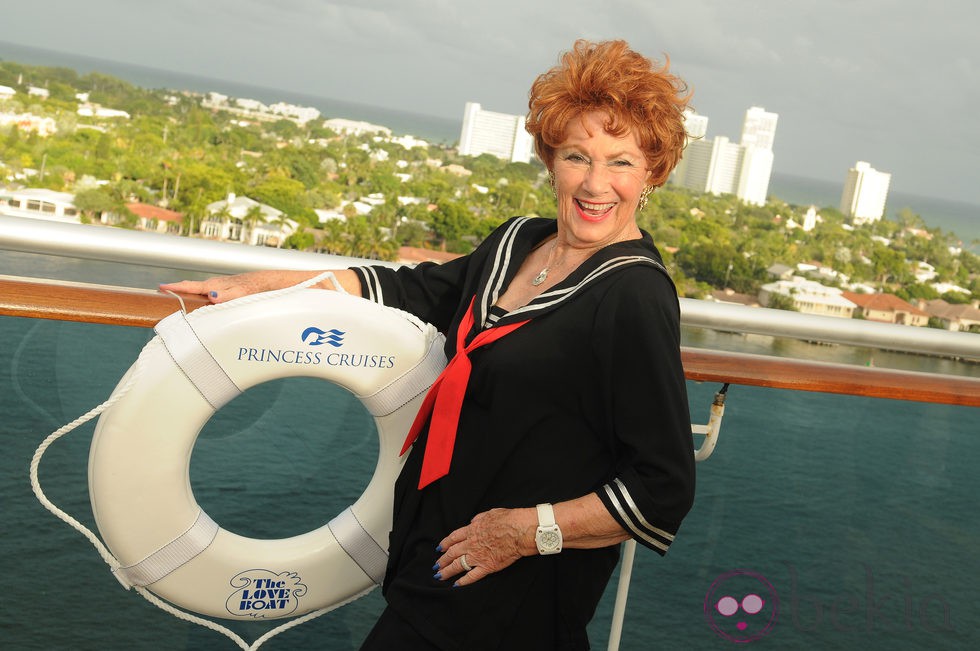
x: 157, y: 219
x: 887, y: 308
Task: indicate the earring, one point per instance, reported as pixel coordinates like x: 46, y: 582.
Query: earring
x: 551, y: 181
x: 644, y: 197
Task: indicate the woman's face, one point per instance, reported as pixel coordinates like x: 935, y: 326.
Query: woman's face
x: 598, y: 181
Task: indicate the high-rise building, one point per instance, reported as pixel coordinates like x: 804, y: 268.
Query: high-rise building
x: 500, y: 134
x: 720, y: 166
x: 695, y: 125
x: 759, y: 128
x: 758, y: 136
x: 865, y: 193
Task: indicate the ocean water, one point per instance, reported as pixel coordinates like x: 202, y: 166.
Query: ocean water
x: 853, y: 518
x: 957, y: 217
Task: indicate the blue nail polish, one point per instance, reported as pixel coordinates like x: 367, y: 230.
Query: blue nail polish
x: 439, y: 548
x: 456, y: 585
x: 435, y: 567
x: 437, y: 576
x: 214, y: 294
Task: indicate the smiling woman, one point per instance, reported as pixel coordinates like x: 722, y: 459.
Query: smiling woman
x: 534, y: 455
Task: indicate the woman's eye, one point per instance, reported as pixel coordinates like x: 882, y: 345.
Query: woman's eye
x: 622, y: 163
x: 575, y: 158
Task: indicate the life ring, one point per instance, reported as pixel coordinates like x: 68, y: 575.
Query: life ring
x: 139, y: 461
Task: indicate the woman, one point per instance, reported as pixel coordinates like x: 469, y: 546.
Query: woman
x: 579, y: 403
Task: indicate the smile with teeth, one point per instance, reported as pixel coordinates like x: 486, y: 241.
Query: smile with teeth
x: 594, y: 209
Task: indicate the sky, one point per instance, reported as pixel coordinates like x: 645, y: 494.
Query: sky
x: 895, y: 83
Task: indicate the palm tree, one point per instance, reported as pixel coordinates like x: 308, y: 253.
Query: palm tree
x: 253, y: 216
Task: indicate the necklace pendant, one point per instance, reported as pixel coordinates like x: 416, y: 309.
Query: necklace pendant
x: 540, y: 278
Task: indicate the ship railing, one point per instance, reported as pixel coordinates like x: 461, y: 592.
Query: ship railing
x: 144, y: 307
x: 41, y: 298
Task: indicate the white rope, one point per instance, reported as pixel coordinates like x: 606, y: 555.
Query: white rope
x: 106, y: 555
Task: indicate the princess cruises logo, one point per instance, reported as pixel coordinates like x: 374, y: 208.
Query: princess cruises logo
x: 313, y: 336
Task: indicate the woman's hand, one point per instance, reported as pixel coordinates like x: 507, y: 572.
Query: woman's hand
x: 498, y: 537
x: 491, y: 541
x: 226, y: 288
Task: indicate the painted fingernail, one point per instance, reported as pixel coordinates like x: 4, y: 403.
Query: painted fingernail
x: 439, y: 548
x: 214, y: 294
x: 456, y: 585
x: 437, y: 576
x: 435, y: 567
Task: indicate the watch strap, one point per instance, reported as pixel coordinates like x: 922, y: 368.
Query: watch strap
x: 546, y: 515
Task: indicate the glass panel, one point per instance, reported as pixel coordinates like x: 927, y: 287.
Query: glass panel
x: 856, y: 515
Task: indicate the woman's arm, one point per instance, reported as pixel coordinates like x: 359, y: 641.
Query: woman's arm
x: 497, y: 538
x: 225, y: 288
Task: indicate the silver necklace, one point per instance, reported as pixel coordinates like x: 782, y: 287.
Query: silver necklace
x: 543, y: 274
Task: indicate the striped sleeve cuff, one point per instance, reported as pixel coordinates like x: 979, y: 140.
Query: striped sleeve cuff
x: 617, y: 499
x: 370, y: 284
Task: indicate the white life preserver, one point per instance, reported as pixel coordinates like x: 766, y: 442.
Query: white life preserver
x: 139, y: 461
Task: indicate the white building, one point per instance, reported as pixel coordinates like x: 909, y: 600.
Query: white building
x: 710, y: 166
x: 6, y: 92
x: 721, y: 167
x: 354, y: 127
x: 695, y: 125
x: 809, y: 297
x: 759, y: 128
x: 235, y: 219
x: 39, y: 203
x: 753, y: 178
x: 500, y: 134
x: 301, y: 114
x: 758, y: 136
x: 865, y: 193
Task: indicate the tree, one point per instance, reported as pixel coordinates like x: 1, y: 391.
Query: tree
x: 92, y: 203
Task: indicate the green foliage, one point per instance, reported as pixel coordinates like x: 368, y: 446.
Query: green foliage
x: 781, y: 302
x: 189, y: 156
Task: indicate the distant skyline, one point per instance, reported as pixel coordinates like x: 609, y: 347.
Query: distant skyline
x: 889, y: 82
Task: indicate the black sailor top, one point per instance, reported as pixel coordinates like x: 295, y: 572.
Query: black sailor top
x: 588, y: 397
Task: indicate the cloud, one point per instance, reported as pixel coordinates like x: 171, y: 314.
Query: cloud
x: 888, y: 81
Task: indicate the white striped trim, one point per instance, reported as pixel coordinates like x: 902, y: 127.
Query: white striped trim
x: 501, y: 262
x: 195, y: 360
x: 639, y: 514
x: 364, y: 550
x: 549, y: 298
x: 630, y: 521
x: 171, y: 556
x: 373, y: 284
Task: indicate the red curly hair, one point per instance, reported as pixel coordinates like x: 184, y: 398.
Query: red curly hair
x: 609, y: 77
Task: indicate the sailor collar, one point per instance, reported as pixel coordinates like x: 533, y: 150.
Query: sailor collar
x: 520, y: 236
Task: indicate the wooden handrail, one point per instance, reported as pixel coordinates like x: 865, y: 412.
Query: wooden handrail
x: 49, y: 299
x: 66, y: 301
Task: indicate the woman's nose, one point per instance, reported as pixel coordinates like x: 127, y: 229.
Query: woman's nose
x: 596, y: 178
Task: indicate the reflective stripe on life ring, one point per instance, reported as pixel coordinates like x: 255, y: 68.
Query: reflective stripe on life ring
x: 139, y: 461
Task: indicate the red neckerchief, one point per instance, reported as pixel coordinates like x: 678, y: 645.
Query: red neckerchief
x: 445, y: 400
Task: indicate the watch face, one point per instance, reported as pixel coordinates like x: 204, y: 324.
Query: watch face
x: 549, y: 539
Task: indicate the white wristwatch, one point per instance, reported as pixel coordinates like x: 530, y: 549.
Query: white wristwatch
x: 548, y: 535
